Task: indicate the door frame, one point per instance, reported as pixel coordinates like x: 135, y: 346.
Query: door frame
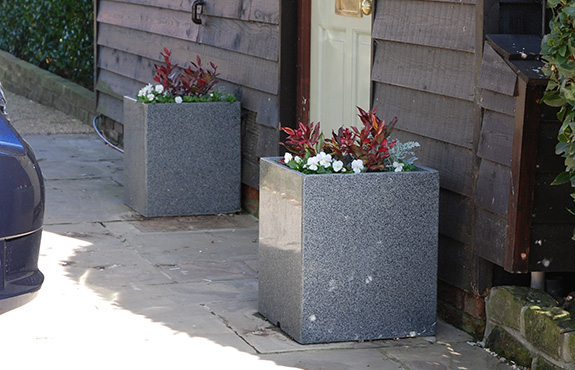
x: 303, y: 60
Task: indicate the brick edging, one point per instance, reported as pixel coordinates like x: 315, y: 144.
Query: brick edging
x: 25, y: 79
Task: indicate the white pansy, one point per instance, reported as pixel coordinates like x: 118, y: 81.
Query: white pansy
x: 398, y: 167
x: 178, y: 99
x: 159, y: 89
x: 151, y: 97
x: 324, y: 159
x: 288, y: 157
x: 312, y: 163
x: 357, y: 165
x: 297, y: 159
x: 337, y: 165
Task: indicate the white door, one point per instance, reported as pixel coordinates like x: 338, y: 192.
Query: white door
x: 340, y: 64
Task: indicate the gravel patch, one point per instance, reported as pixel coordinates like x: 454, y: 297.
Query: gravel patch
x: 32, y: 118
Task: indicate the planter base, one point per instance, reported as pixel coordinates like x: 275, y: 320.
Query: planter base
x: 348, y: 257
x: 182, y: 159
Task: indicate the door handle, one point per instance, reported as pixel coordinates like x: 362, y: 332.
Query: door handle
x: 197, y: 9
x: 366, y: 7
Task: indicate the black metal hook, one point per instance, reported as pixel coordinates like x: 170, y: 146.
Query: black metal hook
x: 197, y: 9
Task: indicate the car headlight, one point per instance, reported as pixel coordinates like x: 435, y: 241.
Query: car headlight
x: 2, y: 100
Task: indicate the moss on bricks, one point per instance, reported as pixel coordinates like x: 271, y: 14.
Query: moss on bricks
x: 504, y: 344
x: 544, y: 326
x: 505, y: 303
x: 570, y: 357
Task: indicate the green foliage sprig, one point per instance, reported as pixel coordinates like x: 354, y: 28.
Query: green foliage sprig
x: 56, y: 35
x: 558, y: 54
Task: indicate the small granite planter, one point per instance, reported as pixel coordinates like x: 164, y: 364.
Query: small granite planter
x: 346, y: 257
x: 182, y: 159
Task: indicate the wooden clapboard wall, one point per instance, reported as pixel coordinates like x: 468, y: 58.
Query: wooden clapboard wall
x: 424, y: 71
x: 497, y: 83
x: 240, y: 36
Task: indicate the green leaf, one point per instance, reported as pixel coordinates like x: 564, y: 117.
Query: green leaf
x: 554, y: 99
x: 553, y: 3
x: 562, y: 178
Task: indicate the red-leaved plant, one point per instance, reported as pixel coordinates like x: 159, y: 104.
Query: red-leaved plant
x: 192, y: 84
x: 350, y: 149
x: 305, y: 139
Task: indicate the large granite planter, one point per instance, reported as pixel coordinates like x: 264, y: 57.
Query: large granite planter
x: 348, y: 257
x: 182, y: 159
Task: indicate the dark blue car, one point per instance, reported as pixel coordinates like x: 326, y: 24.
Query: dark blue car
x: 21, y: 216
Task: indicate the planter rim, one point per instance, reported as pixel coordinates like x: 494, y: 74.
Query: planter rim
x: 419, y: 169
x: 130, y: 97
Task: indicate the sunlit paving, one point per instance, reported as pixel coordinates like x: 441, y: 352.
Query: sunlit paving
x: 68, y: 323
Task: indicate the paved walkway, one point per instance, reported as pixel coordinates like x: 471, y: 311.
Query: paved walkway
x: 122, y: 292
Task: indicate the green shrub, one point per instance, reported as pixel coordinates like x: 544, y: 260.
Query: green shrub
x: 558, y: 54
x: 56, y: 35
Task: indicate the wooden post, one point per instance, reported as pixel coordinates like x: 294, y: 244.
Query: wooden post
x: 523, y: 174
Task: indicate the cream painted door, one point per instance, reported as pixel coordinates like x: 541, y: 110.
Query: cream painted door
x: 340, y: 65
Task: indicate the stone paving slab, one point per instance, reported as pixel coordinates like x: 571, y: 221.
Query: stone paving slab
x: 110, y: 299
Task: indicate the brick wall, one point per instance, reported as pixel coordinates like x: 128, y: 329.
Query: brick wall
x: 461, y: 309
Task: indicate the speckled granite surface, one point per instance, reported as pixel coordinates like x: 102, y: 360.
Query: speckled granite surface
x: 348, y: 257
x: 187, y: 161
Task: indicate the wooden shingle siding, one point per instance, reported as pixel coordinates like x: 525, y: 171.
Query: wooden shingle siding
x: 453, y: 162
x: 447, y: 25
x: 423, y: 72
x: 248, y: 10
x: 258, y: 39
x: 498, y: 84
x: 490, y: 233
x: 492, y: 193
x: 439, y: 71
x: 456, y: 216
x: 496, y: 139
x: 431, y: 115
x: 240, y: 36
x: 496, y: 75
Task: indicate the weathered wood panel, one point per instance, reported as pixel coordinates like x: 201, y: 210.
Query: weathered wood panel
x: 439, y: 71
x: 258, y: 39
x: 496, y: 142
x: 496, y: 75
x: 493, y: 183
x: 447, y: 25
x: 249, y: 10
x: 489, y: 238
x: 240, y: 69
x: 434, y: 116
x: 455, y: 216
x: 496, y: 102
x: 454, y: 163
x: 455, y: 263
x: 110, y: 106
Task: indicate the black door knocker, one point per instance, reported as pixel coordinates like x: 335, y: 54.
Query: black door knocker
x: 197, y: 10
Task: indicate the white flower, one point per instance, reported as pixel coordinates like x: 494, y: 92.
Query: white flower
x: 151, y: 97
x: 324, y: 159
x: 312, y: 163
x: 297, y: 159
x: 357, y: 165
x: 288, y: 157
x: 178, y: 99
x: 337, y: 165
x: 159, y: 89
x: 398, y: 167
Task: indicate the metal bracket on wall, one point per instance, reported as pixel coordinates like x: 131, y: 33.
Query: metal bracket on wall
x: 197, y: 10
